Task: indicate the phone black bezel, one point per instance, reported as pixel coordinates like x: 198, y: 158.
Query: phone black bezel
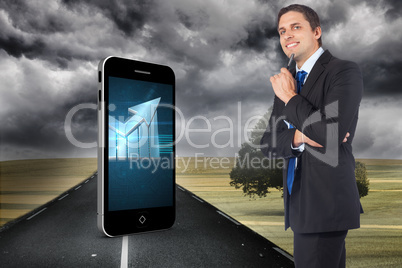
x: 124, y: 222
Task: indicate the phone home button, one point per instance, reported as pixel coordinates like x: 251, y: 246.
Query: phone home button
x: 142, y: 219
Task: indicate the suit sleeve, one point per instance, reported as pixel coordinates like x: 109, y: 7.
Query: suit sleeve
x: 277, y: 139
x: 341, y: 104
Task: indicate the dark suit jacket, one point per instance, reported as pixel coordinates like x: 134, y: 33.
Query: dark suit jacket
x: 324, y: 194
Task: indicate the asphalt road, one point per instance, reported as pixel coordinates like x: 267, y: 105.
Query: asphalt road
x: 63, y: 233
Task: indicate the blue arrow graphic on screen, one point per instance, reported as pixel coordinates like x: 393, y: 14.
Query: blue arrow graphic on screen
x: 138, y: 135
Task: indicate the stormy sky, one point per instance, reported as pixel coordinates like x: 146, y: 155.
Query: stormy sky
x: 222, y: 52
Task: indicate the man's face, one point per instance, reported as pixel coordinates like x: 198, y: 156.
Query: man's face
x: 296, y: 36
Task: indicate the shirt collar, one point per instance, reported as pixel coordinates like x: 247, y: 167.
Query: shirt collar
x: 309, y: 64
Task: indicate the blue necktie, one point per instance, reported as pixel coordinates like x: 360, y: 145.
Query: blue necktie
x: 292, y: 161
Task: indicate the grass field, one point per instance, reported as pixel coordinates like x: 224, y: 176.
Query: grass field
x: 378, y: 243
x: 28, y: 184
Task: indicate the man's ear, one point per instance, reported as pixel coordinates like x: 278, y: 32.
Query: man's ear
x: 317, y: 32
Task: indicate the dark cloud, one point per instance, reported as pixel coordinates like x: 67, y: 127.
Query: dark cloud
x: 382, y: 78
x: 129, y: 16
x: 379, y: 128
x: 50, y: 32
x: 37, y: 107
x: 26, y: 33
x: 258, y: 32
x: 395, y: 9
x: 35, y: 19
x: 18, y: 46
x: 38, y: 49
x: 196, y: 20
x: 333, y: 14
x: 43, y: 129
x: 222, y: 54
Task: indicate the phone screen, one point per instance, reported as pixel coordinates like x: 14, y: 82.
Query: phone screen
x: 140, y: 144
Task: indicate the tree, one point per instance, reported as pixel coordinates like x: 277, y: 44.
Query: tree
x: 253, y: 172
x: 361, y: 179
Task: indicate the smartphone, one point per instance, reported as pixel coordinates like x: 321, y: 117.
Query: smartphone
x: 136, y: 165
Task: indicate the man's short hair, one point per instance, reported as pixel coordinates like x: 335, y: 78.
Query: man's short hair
x: 309, y: 14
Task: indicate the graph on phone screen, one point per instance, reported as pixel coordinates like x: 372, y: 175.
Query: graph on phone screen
x: 140, y: 144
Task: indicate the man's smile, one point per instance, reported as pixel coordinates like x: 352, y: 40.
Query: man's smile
x: 293, y: 44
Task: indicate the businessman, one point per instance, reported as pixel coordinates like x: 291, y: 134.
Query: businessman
x: 312, y: 127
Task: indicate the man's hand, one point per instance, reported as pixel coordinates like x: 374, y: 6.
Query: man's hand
x: 346, y: 137
x: 299, y: 138
x: 284, y: 85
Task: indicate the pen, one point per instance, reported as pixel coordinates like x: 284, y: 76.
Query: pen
x: 290, y: 60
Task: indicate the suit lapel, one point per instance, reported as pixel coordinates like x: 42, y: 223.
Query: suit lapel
x: 317, y: 70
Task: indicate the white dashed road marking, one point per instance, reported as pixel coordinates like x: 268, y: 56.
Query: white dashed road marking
x: 40, y: 211
x: 124, y: 253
